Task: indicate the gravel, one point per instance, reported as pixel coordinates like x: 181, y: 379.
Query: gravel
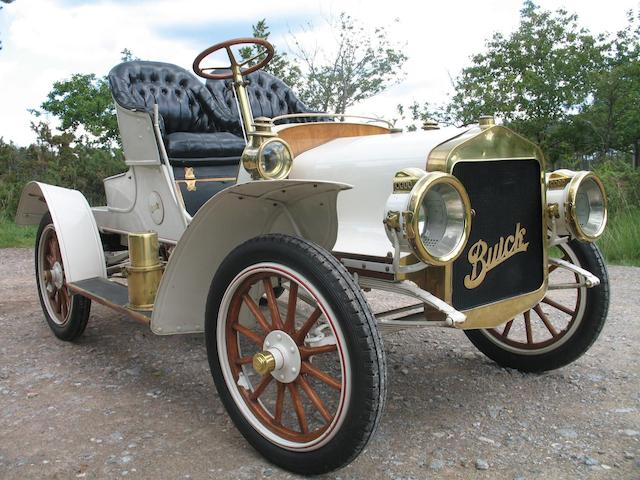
x: 122, y: 402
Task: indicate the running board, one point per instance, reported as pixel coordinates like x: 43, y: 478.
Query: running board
x: 110, y: 294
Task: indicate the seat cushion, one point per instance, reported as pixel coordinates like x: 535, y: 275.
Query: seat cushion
x: 218, y: 148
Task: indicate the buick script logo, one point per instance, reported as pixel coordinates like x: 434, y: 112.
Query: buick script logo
x: 484, y: 258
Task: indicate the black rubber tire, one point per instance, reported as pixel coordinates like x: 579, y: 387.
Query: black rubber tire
x: 368, y: 367
x: 80, y: 306
x: 595, y: 315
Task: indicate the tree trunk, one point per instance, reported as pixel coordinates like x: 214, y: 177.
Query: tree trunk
x: 636, y: 153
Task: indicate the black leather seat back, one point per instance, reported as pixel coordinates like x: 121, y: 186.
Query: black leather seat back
x: 268, y: 95
x: 184, y: 103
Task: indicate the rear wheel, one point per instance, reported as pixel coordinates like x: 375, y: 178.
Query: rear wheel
x: 562, y: 326
x: 66, y: 314
x: 303, y: 375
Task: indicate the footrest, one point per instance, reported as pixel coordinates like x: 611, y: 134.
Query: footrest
x: 109, y: 294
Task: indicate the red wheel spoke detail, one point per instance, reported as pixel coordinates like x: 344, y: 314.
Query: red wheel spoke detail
x: 545, y: 320
x: 300, y: 334
x: 299, y: 408
x: 290, y: 322
x: 65, y: 301
x: 507, y: 327
x: 320, y: 375
x: 560, y: 307
x: 251, y: 335
x: 56, y: 250
x: 261, y: 387
x: 527, y: 324
x: 279, y: 403
x: 315, y: 399
x: 50, y: 259
x: 244, y: 360
x: 57, y: 302
x: 273, y: 305
x: 552, y: 268
x: 256, y: 312
x: 306, y: 352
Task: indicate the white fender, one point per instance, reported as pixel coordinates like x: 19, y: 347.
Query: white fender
x: 305, y: 208
x: 78, y: 235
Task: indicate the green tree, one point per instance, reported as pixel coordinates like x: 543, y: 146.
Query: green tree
x: 534, y: 78
x: 85, y: 108
x: 280, y: 65
x: 360, y: 64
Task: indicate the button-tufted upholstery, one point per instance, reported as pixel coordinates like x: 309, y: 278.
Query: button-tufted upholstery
x: 189, y: 113
x: 268, y: 95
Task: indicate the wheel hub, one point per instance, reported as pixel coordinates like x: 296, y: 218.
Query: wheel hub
x: 55, y: 276
x: 280, y: 357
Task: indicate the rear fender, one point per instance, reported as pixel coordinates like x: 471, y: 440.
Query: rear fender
x: 78, y: 235
x: 304, y: 208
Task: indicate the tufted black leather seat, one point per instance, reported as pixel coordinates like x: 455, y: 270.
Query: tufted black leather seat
x: 189, y: 113
x: 268, y: 95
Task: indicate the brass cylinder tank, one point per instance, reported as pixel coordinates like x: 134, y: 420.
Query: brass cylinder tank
x: 144, y: 271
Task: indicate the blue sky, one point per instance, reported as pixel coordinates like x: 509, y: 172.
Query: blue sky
x: 48, y: 40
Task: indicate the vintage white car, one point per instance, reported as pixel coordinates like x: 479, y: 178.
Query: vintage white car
x: 245, y: 216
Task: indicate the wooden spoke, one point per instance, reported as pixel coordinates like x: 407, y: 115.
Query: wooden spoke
x: 552, y: 268
x: 299, y: 408
x: 261, y: 387
x: 300, y: 334
x: 527, y: 324
x: 273, y: 304
x: 323, y: 377
x: 560, y: 307
x: 545, y: 320
x: 251, y: 335
x: 507, y: 327
x: 50, y: 259
x: 57, y: 302
x: 64, y: 301
x: 306, y: 352
x: 255, y: 310
x: 315, y: 399
x: 56, y: 249
x: 244, y: 360
x: 290, y: 322
x: 279, y: 403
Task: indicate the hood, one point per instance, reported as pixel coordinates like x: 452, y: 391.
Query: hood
x: 368, y: 163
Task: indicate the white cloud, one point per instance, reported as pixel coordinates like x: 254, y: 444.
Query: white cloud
x: 48, y: 40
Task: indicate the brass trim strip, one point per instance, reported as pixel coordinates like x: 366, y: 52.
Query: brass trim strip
x: 197, y: 180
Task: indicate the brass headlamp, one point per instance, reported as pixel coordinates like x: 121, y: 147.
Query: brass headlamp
x: 266, y: 157
x: 579, y: 201
x: 430, y: 214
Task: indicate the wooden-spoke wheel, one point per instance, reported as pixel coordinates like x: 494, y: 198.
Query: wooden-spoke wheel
x: 294, y: 353
x: 562, y: 326
x: 66, y: 314
x: 51, y: 277
x: 554, y: 318
x: 300, y: 400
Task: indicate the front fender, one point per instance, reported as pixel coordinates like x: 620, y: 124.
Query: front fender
x: 305, y: 208
x: 78, y: 235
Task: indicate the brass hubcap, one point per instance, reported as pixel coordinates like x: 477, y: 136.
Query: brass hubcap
x: 264, y: 362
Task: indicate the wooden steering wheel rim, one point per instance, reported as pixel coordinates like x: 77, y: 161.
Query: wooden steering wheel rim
x: 226, y: 44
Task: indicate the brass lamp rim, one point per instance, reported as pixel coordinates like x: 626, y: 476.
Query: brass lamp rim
x: 572, y: 217
x: 422, y: 186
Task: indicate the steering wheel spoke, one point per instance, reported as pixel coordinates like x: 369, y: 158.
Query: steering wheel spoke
x: 205, y: 72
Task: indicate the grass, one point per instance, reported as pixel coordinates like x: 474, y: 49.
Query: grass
x: 620, y: 242
x: 12, y: 235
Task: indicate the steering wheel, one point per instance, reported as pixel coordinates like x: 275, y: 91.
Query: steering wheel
x: 203, y: 72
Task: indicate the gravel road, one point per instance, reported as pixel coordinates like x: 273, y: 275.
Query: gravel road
x: 122, y: 402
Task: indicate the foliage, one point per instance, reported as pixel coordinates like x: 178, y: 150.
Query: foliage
x: 361, y: 64
x: 85, y: 108
x: 280, y: 65
x: 619, y: 243
x: 12, y: 235
x: 58, y: 159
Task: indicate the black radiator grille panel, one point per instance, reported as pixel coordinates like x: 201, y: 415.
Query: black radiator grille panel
x: 503, y: 194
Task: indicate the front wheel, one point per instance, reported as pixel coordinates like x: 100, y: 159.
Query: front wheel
x: 562, y: 326
x: 302, y: 374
